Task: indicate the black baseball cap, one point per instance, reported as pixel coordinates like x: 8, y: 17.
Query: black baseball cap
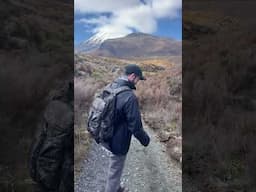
x: 133, y: 68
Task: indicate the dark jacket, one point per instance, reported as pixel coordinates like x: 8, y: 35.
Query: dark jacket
x: 128, y: 120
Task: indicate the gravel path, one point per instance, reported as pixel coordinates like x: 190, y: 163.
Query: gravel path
x: 146, y: 169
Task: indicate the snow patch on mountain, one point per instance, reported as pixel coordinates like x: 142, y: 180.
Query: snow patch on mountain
x: 94, y: 42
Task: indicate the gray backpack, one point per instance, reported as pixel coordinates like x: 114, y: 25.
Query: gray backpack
x: 102, y: 114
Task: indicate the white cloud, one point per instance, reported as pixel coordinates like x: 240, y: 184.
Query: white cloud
x: 99, y: 6
x: 101, y: 20
x: 166, y: 8
x: 126, y: 15
x: 139, y: 18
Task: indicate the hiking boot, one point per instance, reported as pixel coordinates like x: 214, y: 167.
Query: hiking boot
x: 122, y: 189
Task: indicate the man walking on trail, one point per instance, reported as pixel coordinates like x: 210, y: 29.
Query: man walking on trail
x: 127, y: 123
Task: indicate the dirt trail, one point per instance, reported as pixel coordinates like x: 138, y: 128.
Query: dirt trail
x: 146, y: 169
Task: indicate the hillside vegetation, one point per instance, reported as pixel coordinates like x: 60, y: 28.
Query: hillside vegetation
x: 35, y: 43
x: 219, y: 103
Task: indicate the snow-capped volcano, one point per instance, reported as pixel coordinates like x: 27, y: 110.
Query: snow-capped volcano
x: 89, y: 45
x: 94, y: 42
x: 131, y: 45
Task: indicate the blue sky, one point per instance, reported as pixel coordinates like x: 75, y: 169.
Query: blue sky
x: 114, y: 18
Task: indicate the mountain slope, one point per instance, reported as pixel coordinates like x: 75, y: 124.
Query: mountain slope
x: 134, y: 45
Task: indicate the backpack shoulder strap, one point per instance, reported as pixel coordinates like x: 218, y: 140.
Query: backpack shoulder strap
x: 116, y: 91
x: 121, y: 89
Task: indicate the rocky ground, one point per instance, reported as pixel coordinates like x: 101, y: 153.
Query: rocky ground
x: 147, y: 169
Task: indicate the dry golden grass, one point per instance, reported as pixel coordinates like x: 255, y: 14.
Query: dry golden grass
x: 157, y: 62
x: 81, y: 143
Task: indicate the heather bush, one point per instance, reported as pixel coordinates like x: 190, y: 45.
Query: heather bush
x: 84, y: 90
x: 160, y: 103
